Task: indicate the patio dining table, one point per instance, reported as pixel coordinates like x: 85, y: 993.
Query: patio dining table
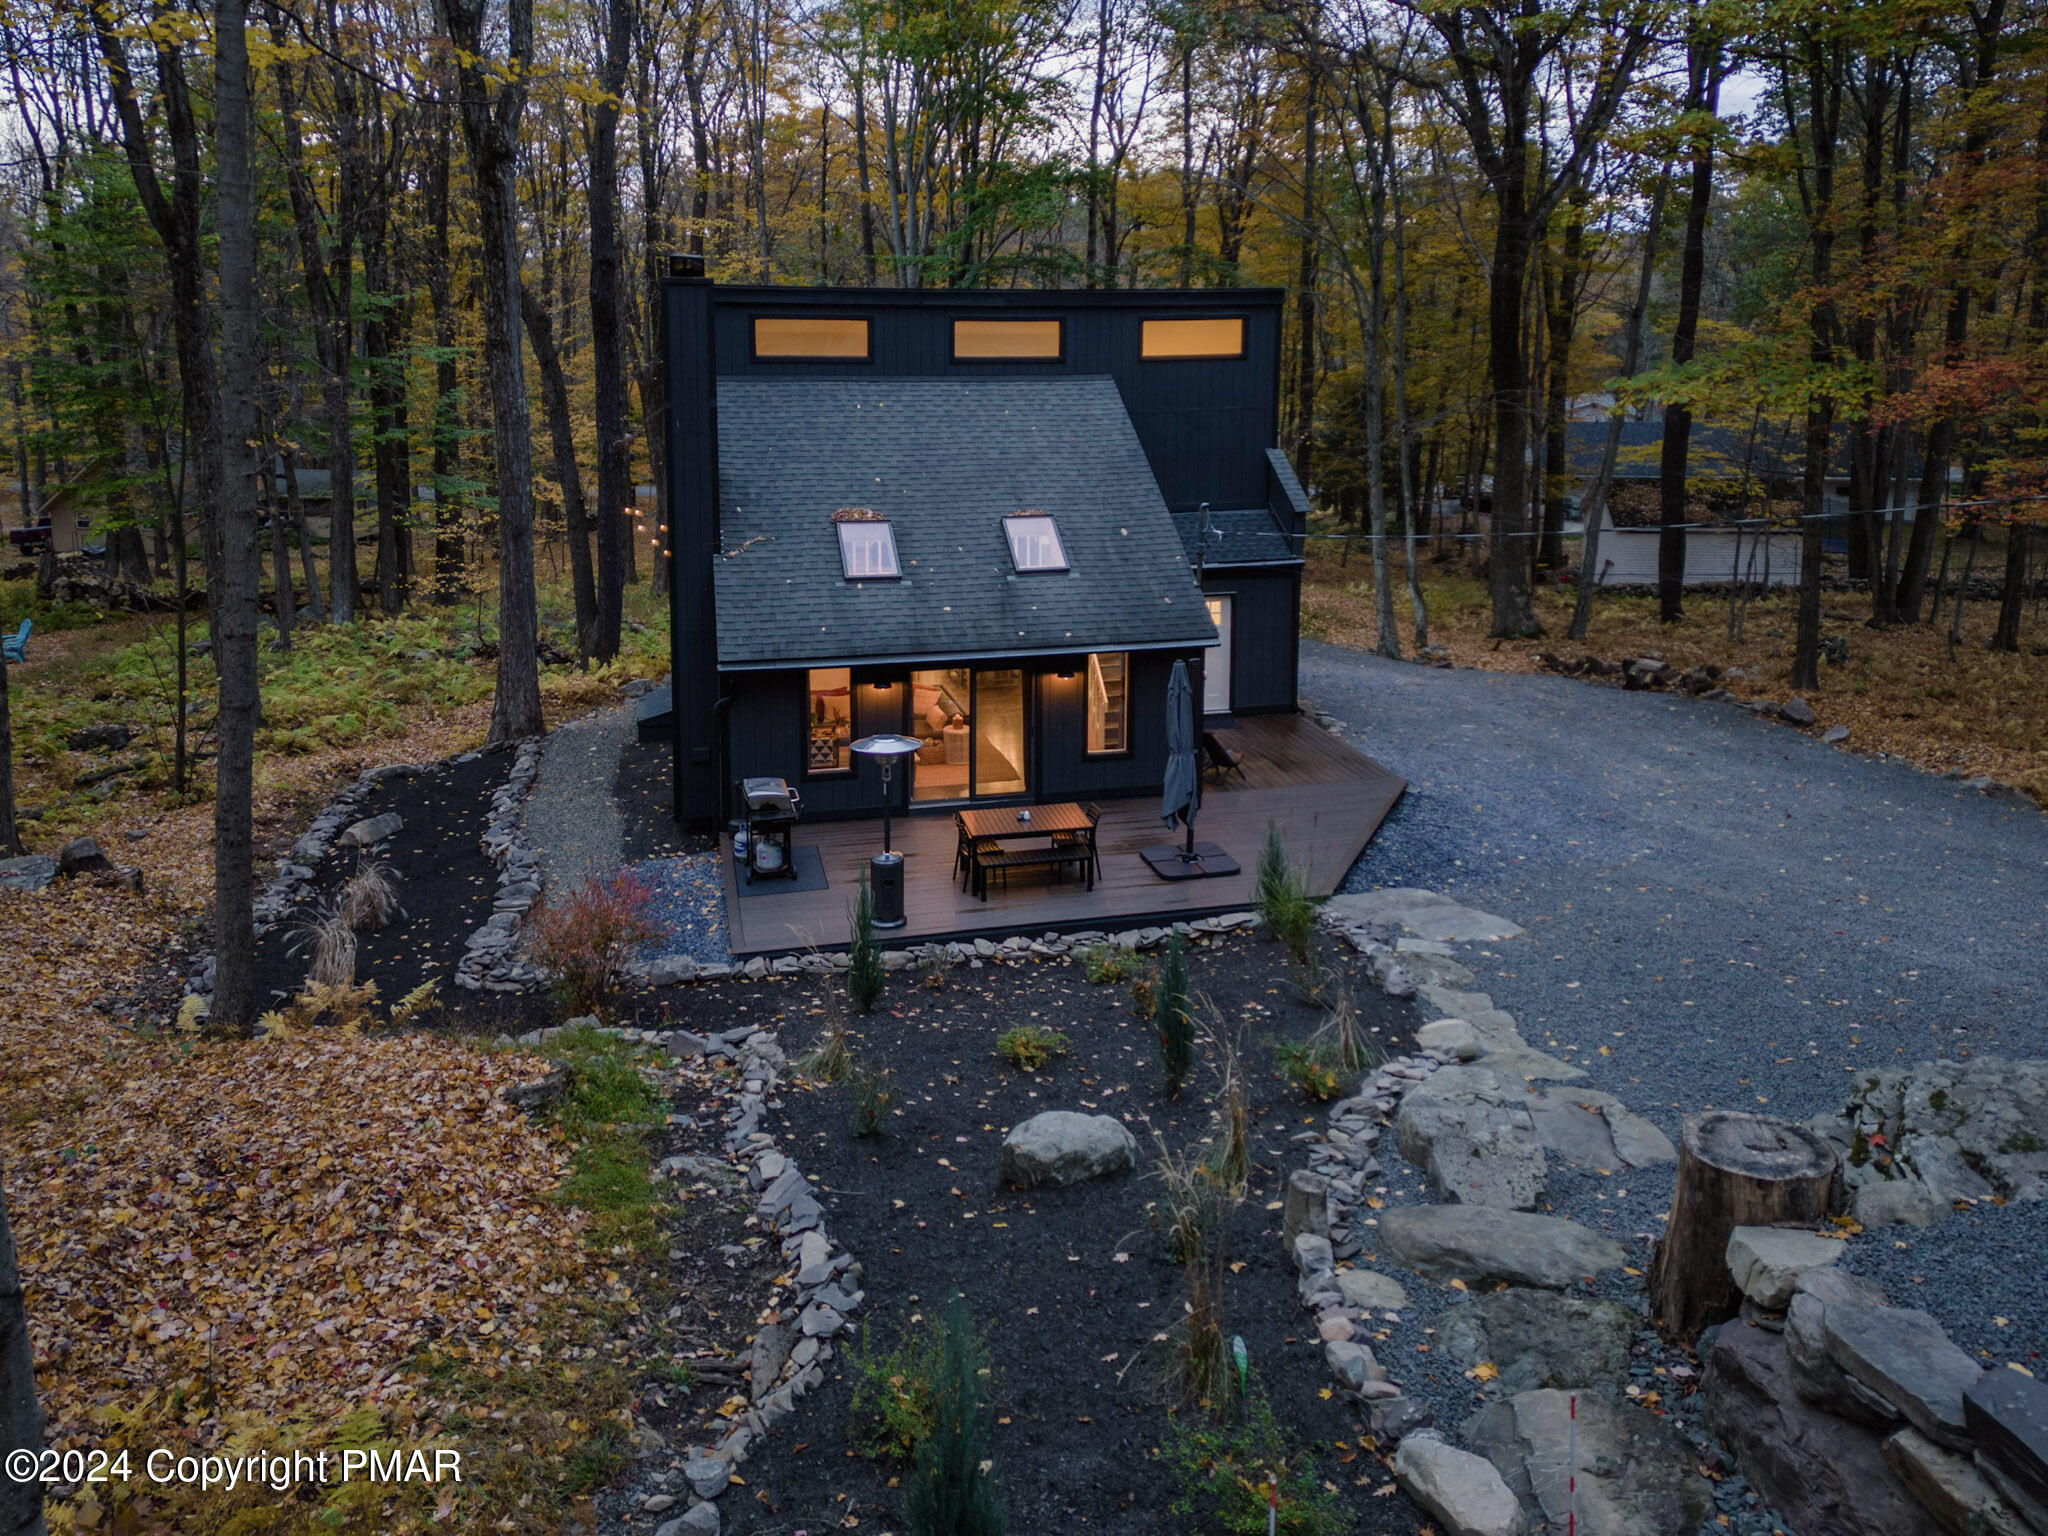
x: 1002, y: 825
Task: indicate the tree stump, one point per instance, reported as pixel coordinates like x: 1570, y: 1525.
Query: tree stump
x: 1307, y: 1205
x: 1734, y: 1170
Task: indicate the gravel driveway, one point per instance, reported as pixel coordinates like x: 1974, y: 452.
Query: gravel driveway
x: 1722, y: 912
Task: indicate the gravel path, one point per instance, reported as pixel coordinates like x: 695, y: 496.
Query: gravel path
x: 572, y: 815
x: 1722, y: 912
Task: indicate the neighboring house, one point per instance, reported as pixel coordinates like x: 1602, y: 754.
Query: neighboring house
x: 1767, y: 463
x: 972, y: 518
x: 63, y: 522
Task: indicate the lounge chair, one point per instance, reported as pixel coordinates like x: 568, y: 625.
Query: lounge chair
x: 14, y: 647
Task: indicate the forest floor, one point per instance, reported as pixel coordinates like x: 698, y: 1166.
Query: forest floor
x: 1901, y: 692
x: 182, y: 1194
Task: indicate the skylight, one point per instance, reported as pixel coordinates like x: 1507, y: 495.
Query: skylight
x: 1034, y: 542
x: 867, y: 545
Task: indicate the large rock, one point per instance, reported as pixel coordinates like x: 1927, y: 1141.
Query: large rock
x: 1896, y: 1203
x: 1593, y: 1129
x: 1453, y: 1037
x: 1542, y: 1339
x: 1520, y: 1064
x: 1901, y: 1354
x: 1824, y: 1475
x: 1766, y: 1262
x: 1061, y: 1147
x: 82, y: 855
x: 1370, y: 1291
x: 1466, y: 1242
x: 99, y: 738
x: 1463, y: 1491
x: 1426, y: 914
x: 1962, y: 1130
x: 2007, y: 1415
x: 371, y: 829
x: 1637, y: 1475
x: 1818, y: 1379
x: 30, y: 872
x: 1467, y: 1129
x: 1951, y: 1488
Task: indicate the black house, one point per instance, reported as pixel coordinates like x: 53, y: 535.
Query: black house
x: 975, y: 519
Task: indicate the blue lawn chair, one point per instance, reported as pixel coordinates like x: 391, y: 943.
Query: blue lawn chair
x: 15, y: 646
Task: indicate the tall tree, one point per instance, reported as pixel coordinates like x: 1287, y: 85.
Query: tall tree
x: 607, y: 329
x: 490, y: 127
x: 233, y: 565
x: 1703, y: 75
x: 1501, y: 58
x: 21, y: 1416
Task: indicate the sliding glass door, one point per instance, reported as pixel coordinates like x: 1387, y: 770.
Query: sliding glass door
x: 971, y: 724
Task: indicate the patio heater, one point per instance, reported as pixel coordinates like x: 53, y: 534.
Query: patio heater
x: 885, y: 869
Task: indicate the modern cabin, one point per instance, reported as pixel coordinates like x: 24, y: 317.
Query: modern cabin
x: 991, y: 521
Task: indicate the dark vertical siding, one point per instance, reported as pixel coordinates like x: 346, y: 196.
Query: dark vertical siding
x: 692, y: 504
x: 1068, y: 772
x: 1265, y: 619
x: 1205, y: 424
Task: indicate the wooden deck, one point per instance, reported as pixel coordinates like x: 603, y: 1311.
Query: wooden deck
x: 1327, y: 799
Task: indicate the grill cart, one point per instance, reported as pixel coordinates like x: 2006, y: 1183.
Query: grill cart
x: 771, y: 812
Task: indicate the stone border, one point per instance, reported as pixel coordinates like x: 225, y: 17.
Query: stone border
x: 676, y: 970
x: 294, y: 870
x: 489, y: 961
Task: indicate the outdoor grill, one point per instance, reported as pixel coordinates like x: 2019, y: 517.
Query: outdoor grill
x: 771, y: 812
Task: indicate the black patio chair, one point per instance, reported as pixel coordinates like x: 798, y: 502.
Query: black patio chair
x: 1220, y: 760
x: 1083, y: 840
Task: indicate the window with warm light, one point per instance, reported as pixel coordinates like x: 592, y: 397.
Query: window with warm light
x: 1109, y: 701
x: 1013, y: 339
x: 1034, y: 543
x: 1164, y: 340
x: 840, y: 338
x: 867, y: 548
x: 829, y: 721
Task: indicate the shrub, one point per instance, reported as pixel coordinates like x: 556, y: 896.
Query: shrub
x: 1170, y: 1016
x: 955, y: 1493
x: 890, y: 1414
x: 587, y: 937
x: 1199, y: 1199
x: 1107, y: 963
x: 1230, y: 1156
x: 370, y: 898
x: 1284, y: 902
x: 1311, y: 1067
x: 1343, y: 1032
x: 864, y: 960
x: 830, y: 1059
x: 1224, y: 1463
x: 1145, y: 992
x: 931, y: 970
x: 1028, y: 1047
x: 332, y: 939
x: 872, y: 1097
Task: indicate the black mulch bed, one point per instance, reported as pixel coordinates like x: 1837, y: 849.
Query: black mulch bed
x: 645, y: 790
x: 1071, y: 1286
x: 446, y: 887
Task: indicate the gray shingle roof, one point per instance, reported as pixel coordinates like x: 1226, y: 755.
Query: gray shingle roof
x: 1248, y: 537
x: 944, y: 460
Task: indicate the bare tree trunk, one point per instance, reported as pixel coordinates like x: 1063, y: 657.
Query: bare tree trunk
x: 1593, y: 508
x: 554, y: 394
x: 233, y: 565
x: 1824, y: 89
x: 1418, y: 609
x: 490, y: 125
x: 1305, y: 283
x: 2012, y: 596
x: 10, y: 836
x: 21, y: 1416
x: 448, y: 500
x: 314, y: 608
x: 280, y: 549
x: 1703, y: 89
x: 607, y: 335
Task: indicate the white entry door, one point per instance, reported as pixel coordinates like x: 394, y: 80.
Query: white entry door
x: 1216, y: 661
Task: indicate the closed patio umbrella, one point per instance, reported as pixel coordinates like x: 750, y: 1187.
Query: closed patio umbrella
x: 1183, y: 792
x: 1183, y: 795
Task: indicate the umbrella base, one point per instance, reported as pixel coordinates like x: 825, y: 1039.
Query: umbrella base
x: 1170, y: 861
